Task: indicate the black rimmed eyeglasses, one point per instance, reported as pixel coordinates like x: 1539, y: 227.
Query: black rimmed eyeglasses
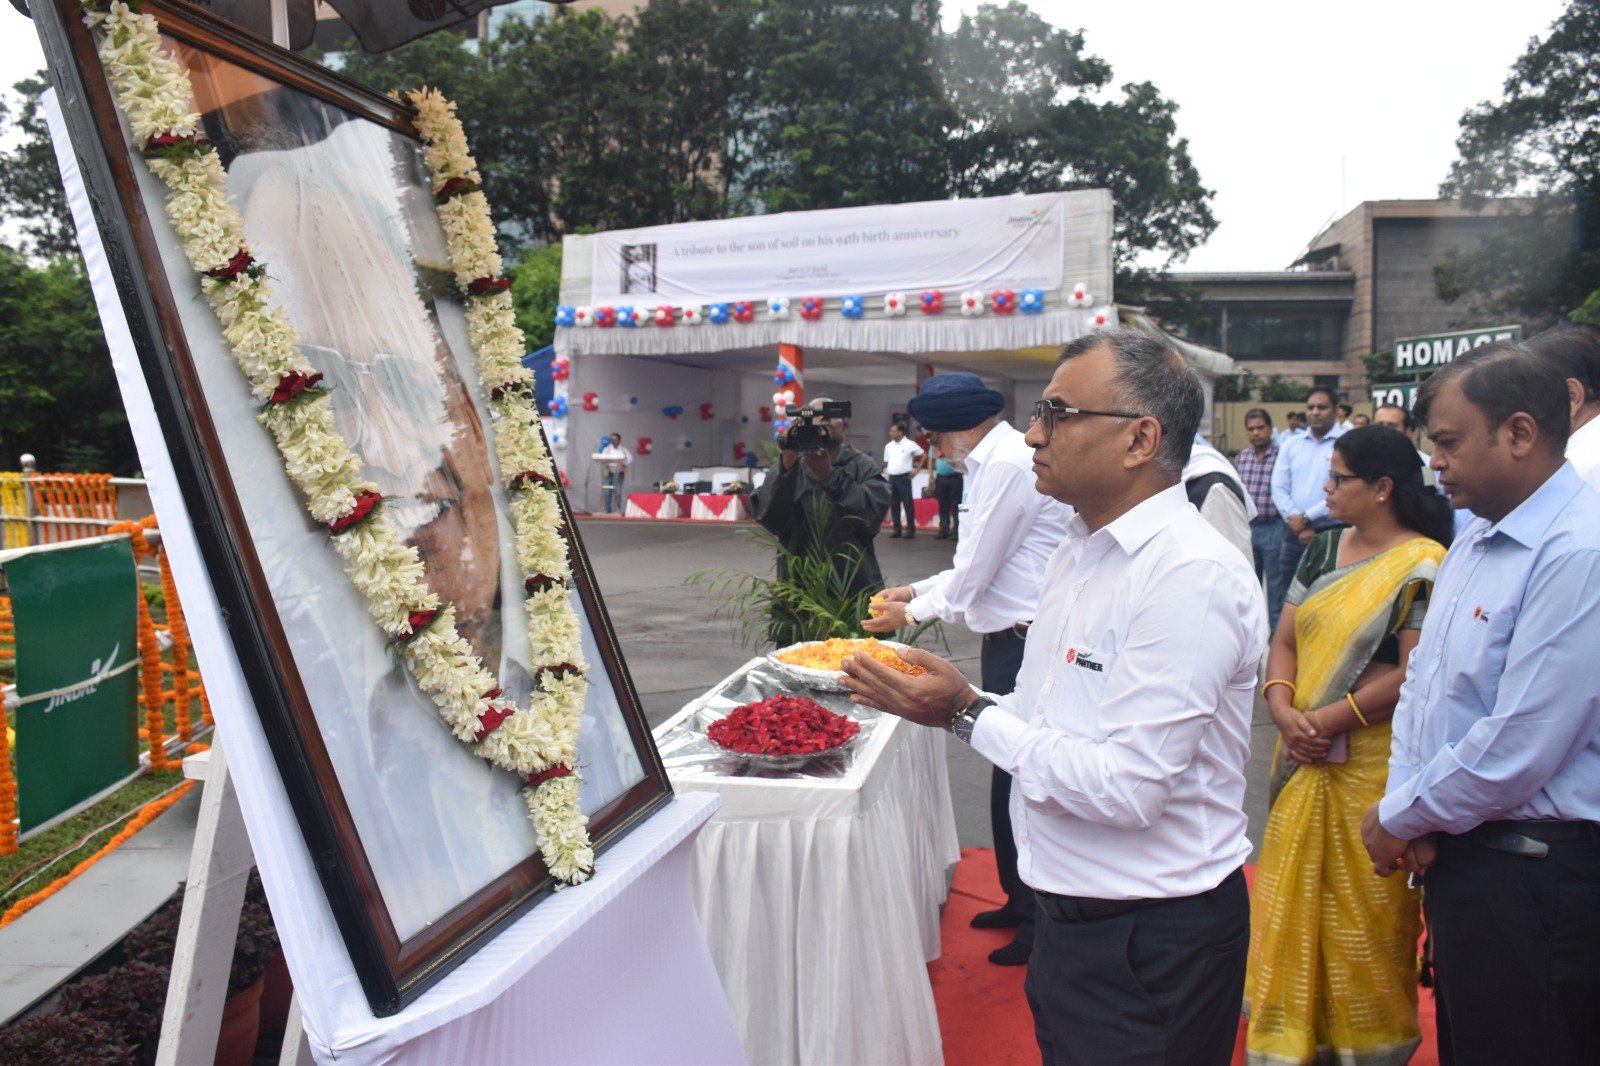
x: 1049, y: 412
x: 1336, y: 480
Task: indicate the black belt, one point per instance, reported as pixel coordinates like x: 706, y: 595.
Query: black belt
x: 1530, y: 839
x: 1017, y: 631
x: 1084, y: 909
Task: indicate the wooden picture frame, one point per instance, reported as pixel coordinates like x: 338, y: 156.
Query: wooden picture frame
x: 418, y: 870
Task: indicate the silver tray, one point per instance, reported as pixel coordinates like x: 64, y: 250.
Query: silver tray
x: 814, y: 679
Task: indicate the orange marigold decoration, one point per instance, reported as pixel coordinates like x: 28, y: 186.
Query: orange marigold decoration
x: 178, y: 630
x: 8, y: 794
x: 147, y: 814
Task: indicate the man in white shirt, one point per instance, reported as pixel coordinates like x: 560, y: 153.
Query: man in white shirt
x: 900, y: 457
x: 1129, y: 731
x: 614, y: 460
x: 1575, y: 349
x: 1298, y: 489
x: 992, y: 586
x: 1344, y: 415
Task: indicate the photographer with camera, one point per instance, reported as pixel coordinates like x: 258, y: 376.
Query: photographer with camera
x: 824, y: 495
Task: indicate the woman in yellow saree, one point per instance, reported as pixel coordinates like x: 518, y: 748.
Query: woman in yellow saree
x: 1333, y: 952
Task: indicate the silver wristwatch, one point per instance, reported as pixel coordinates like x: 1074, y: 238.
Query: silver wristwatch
x: 963, y: 721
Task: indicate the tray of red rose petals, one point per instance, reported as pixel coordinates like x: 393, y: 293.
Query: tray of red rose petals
x: 782, y: 732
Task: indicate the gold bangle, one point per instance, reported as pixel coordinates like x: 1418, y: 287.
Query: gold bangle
x: 1278, y: 681
x: 1350, y: 698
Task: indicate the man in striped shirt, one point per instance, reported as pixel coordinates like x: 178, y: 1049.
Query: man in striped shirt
x: 1255, y: 470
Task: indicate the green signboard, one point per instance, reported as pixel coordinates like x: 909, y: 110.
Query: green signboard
x: 1420, y: 355
x: 1400, y: 393
x: 77, y: 676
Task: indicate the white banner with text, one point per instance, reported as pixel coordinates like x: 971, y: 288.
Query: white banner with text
x: 1013, y: 242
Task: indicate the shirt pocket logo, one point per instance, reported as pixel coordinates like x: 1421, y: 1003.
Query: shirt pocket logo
x: 1084, y: 659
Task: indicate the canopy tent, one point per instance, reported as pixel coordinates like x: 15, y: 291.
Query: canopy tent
x: 658, y: 348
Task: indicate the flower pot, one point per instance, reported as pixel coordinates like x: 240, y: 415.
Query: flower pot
x: 276, y: 992
x: 241, y: 1019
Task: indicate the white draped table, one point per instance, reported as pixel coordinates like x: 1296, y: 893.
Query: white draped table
x: 820, y: 889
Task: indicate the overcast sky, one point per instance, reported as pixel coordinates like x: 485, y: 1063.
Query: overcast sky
x: 1294, y: 112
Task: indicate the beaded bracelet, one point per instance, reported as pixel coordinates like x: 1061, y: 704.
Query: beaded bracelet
x: 1350, y: 697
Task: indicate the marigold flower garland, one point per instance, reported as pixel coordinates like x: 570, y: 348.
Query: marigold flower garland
x: 539, y: 742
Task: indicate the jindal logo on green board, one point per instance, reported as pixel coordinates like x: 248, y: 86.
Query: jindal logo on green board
x: 77, y: 723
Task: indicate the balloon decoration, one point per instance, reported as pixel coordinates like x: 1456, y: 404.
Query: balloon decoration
x: 1003, y: 301
x: 744, y: 420
x: 972, y: 303
x: 665, y: 316
x: 1100, y: 319
x: 765, y: 413
x: 738, y: 450
x: 566, y: 317
x: 672, y: 412
x: 778, y: 307
x: 692, y: 316
x: 1080, y: 296
x: 894, y: 304
x: 811, y: 308
x: 784, y: 375
x: 783, y: 398
x: 633, y: 401
x: 625, y: 318
x: 707, y: 412
x: 560, y: 369
x: 743, y: 311
x: 558, y: 407
x: 583, y: 316
x: 932, y: 302
x: 1031, y: 301
x: 717, y: 314
x: 605, y: 442
x: 605, y: 317
x: 684, y: 444
x: 557, y: 432
x: 850, y: 306
x: 643, y: 445
x: 591, y: 401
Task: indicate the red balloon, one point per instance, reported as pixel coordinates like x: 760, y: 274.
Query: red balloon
x: 707, y: 412
x: 591, y: 401
x: 765, y: 413
x: 739, y: 449
x: 642, y: 445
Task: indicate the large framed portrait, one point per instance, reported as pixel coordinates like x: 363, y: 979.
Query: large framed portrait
x: 423, y: 848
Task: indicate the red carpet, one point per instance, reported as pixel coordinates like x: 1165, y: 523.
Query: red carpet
x: 983, y: 1014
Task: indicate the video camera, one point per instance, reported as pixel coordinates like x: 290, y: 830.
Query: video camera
x: 806, y: 434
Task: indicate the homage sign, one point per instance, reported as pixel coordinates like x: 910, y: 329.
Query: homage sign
x: 1422, y: 355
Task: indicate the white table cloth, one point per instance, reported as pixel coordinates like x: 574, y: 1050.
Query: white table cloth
x: 820, y: 897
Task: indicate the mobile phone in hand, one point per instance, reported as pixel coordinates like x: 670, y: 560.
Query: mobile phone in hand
x: 1339, y: 749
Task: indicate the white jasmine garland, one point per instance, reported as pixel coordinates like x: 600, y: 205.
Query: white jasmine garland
x: 156, y: 98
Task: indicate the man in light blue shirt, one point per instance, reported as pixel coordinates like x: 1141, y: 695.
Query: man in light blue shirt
x: 1494, y: 772
x: 1299, y: 480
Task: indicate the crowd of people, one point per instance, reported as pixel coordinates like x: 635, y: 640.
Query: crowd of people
x: 1438, y: 733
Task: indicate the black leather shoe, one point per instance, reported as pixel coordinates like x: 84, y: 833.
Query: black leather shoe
x: 1000, y: 918
x: 1013, y: 954
x: 941, y: 536
x: 895, y: 535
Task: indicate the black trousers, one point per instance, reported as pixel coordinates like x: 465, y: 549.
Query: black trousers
x: 1158, y: 985
x: 1516, y: 950
x: 1000, y: 660
x: 948, y: 492
x: 900, y: 499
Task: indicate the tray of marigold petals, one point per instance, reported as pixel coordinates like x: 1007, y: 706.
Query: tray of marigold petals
x: 782, y: 732
x: 816, y: 663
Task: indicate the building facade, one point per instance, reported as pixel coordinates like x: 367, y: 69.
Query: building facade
x: 1363, y: 282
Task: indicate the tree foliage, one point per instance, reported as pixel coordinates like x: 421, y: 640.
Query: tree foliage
x: 31, y: 197
x: 1540, y: 142
x: 56, y: 385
